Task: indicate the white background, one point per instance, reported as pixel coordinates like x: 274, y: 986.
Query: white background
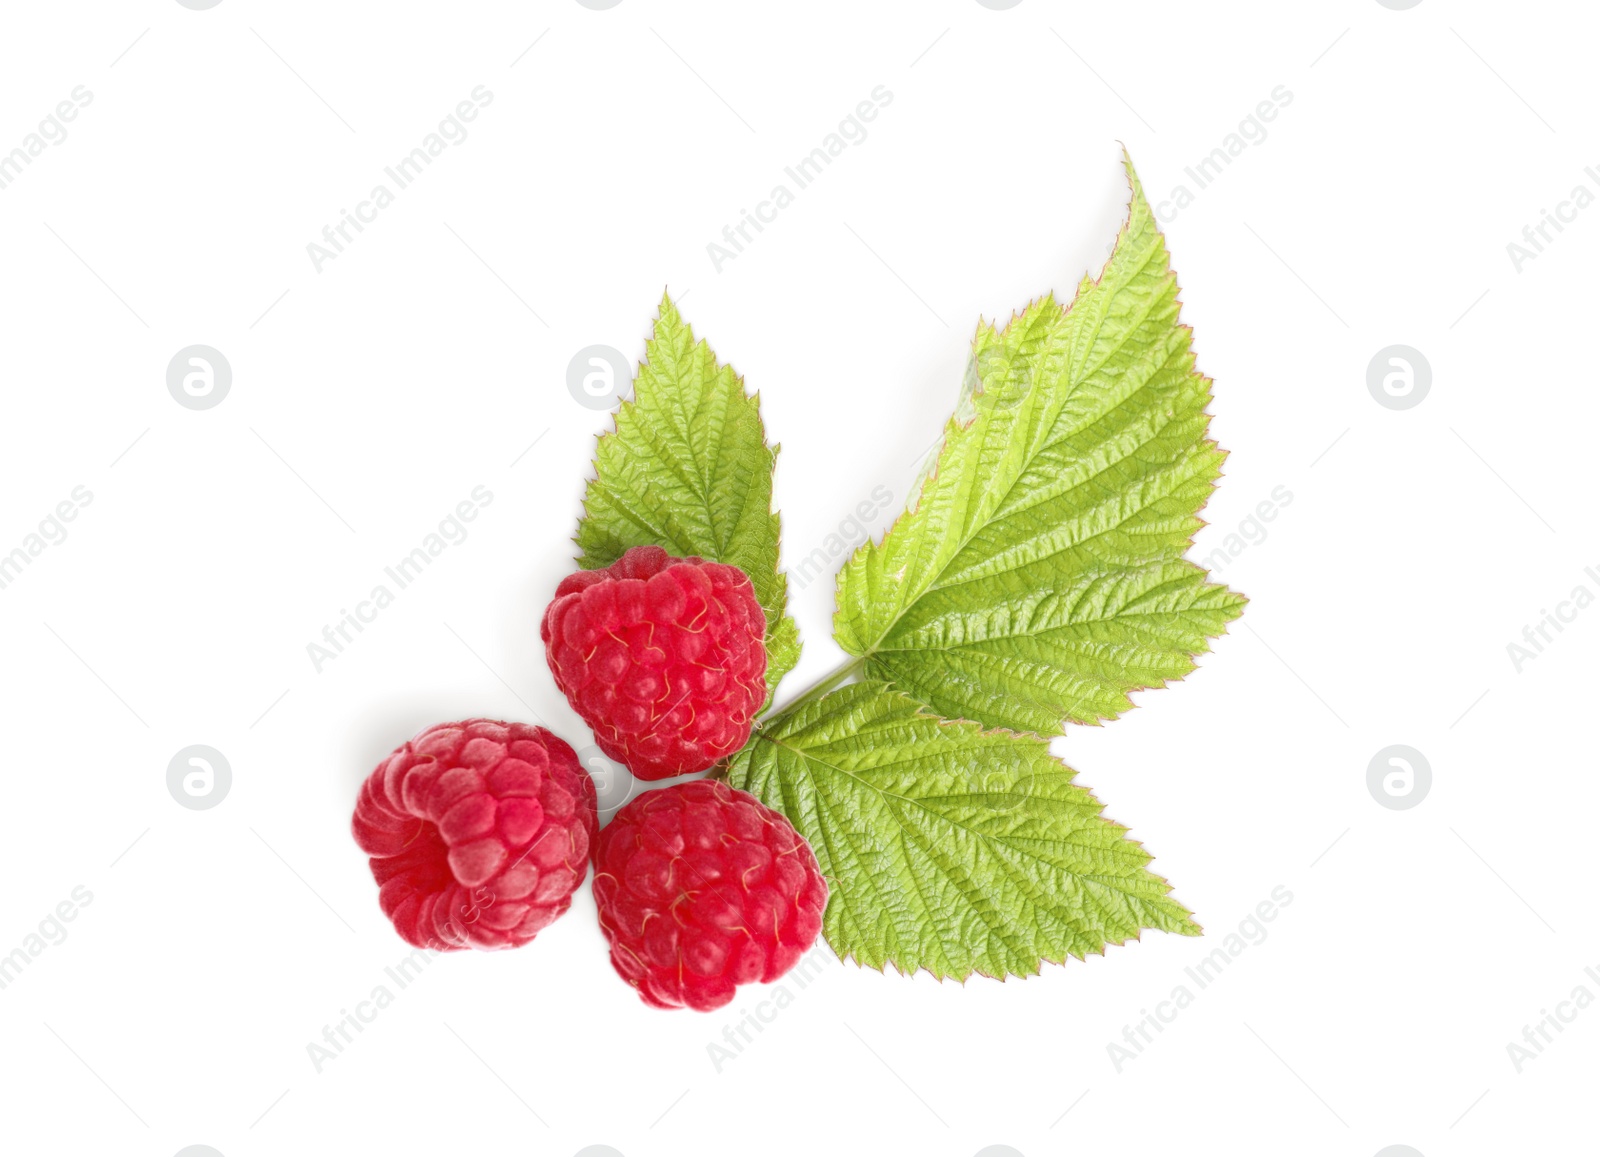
x: 372, y: 396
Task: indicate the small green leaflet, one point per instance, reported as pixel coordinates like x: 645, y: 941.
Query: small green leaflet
x: 948, y: 847
x: 1039, y: 576
x: 688, y: 469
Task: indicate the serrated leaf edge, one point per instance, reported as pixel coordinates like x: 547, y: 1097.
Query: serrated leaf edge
x: 774, y: 448
x: 920, y: 710
x: 955, y: 425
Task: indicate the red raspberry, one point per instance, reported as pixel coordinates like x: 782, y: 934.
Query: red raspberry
x: 479, y: 833
x: 702, y: 888
x: 663, y: 657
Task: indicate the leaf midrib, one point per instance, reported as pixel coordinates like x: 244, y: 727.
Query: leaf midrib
x: 808, y: 757
x: 1038, y: 897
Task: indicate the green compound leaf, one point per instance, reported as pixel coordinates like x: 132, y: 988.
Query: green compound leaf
x: 1039, y: 575
x: 688, y: 469
x: 948, y: 847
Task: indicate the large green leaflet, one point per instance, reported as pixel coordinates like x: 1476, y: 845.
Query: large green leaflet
x: 948, y: 847
x: 1039, y: 575
x: 688, y: 469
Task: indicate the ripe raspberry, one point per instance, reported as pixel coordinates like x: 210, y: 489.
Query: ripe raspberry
x: 663, y: 657
x: 479, y: 833
x: 702, y: 888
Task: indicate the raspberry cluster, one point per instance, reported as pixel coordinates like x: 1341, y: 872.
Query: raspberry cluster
x: 662, y: 657
x: 479, y: 832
